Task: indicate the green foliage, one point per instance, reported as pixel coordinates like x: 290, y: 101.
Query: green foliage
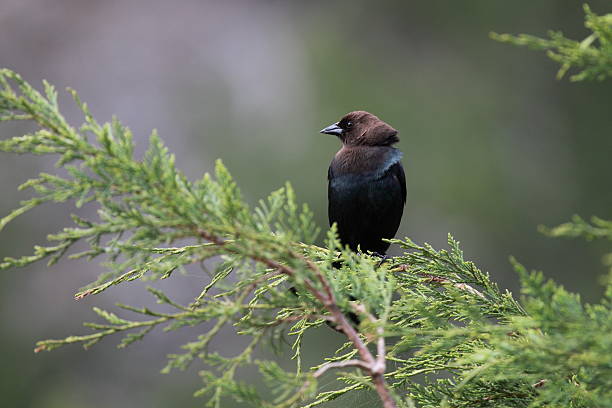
x: 444, y: 335
x: 592, y: 56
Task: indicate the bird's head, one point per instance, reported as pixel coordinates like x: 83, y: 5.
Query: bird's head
x: 362, y: 128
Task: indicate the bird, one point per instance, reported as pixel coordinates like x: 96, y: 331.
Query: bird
x: 366, y: 183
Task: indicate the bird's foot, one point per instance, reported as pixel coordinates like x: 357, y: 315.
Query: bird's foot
x: 382, y: 257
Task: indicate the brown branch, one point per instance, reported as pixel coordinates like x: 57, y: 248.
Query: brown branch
x: 442, y: 280
x: 340, y: 364
x: 540, y: 383
x: 378, y: 367
x: 375, y: 367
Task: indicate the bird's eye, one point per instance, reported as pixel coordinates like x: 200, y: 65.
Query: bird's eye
x: 349, y: 124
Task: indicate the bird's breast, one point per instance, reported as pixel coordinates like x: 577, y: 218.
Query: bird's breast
x: 359, y: 164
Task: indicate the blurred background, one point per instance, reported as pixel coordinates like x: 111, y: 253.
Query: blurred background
x: 493, y: 146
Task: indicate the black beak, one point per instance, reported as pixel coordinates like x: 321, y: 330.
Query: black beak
x: 332, y: 130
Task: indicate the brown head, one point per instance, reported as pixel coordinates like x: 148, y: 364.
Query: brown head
x: 362, y: 128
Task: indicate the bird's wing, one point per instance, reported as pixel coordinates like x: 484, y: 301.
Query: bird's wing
x: 334, y: 199
x: 397, y: 171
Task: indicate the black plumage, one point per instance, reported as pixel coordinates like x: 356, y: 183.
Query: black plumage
x: 367, y: 186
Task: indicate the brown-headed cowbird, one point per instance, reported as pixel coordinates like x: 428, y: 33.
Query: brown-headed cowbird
x: 367, y: 186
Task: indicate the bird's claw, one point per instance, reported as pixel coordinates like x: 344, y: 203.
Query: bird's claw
x: 383, y: 258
